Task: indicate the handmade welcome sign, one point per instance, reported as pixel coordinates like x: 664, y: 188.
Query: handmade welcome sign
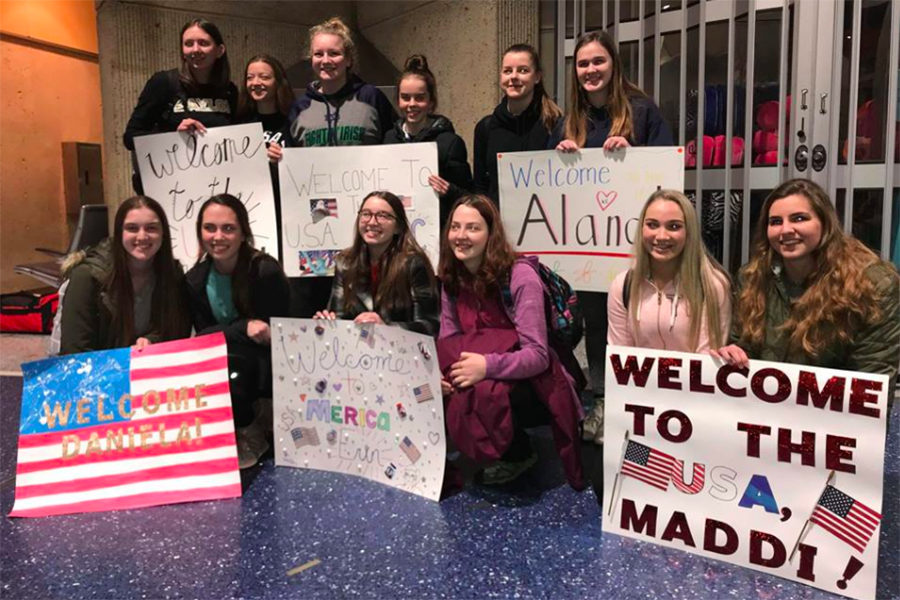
x: 322, y: 189
x: 579, y: 212
x: 180, y: 171
x: 362, y: 400
x: 124, y: 429
x: 777, y: 467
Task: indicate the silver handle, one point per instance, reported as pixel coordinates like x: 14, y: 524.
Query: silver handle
x: 822, y: 102
x: 803, y: 94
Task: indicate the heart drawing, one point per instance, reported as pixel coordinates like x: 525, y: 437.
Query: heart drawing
x: 302, y: 397
x: 605, y: 199
x: 337, y: 387
x: 433, y: 437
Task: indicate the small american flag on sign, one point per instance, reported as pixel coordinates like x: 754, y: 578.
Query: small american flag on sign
x: 848, y: 519
x: 305, y: 436
x: 410, y: 450
x: 423, y: 393
x: 648, y: 465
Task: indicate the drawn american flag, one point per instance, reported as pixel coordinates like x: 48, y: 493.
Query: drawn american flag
x: 305, y: 436
x: 410, y: 450
x: 848, y: 519
x: 423, y: 393
x: 698, y: 477
x: 648, y: 465
x: 123, y: 429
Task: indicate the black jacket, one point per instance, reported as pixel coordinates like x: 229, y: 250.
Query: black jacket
x: 164, y: 104
x: 453, y: 160
x: 504, y: 132
x: 650, y: 127
x: 269, y: 296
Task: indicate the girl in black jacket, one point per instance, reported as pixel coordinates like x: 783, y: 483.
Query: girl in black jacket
x: 522, y: 121
x: 236, y: 289
x: 417, y: 100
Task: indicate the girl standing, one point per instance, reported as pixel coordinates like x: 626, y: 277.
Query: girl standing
x: 522, y: 121
x: 126, y: 290
x: 237, y: 289
x: 605, y: 111
x: 498, y: 369
x: 417, y: 99
x: 385, y: 276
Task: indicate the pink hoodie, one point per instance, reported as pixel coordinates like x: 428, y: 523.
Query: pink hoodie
x: 663, y: 324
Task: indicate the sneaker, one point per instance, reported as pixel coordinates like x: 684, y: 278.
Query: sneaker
x: 505, y: 471
x: 251, y: 445
x: 592, y: 428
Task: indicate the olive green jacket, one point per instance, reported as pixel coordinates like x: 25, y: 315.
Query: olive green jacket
x: 875, y: 348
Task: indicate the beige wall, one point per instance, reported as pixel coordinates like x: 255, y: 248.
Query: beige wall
x: 138, y: 39
x: 460, y: 41
x: 46, y: 97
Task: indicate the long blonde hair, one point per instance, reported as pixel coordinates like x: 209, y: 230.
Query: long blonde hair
x: 839, y: 297
x: 617, y: 102
x: 698, y: 272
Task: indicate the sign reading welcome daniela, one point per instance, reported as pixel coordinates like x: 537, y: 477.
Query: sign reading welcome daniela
x: 778, y: 468
x: 361, y: 400
x: 579, y: 212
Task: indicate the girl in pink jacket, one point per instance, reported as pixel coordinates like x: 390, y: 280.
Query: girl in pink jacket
x: 676, y: 296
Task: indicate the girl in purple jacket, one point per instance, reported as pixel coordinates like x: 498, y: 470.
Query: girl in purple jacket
x: 499, y: 373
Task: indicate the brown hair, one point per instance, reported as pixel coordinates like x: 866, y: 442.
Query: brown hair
x: 221, y: 71
x: 499, y: 255
x: 284, y: 94
x: 550, y: 111
x: 417, y: 66
x: 167, y: 314
x: 617, y: 101
x: 838, y: 299
x: 393, y: 286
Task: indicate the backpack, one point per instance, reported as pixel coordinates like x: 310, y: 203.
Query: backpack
x: 28, y: 312
x: 565, y: 322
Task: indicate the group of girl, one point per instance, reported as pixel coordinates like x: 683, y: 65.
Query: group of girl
x: 811, y: 294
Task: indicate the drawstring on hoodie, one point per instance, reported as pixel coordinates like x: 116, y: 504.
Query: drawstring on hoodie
x: 331, y: 119
x: 673, y: 313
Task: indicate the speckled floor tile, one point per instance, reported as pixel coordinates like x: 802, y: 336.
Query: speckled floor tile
x: 540, y: 540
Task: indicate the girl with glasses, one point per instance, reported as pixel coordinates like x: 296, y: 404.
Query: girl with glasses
x: 385, y: 277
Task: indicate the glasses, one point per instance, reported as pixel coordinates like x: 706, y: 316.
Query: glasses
x: 380, y: 217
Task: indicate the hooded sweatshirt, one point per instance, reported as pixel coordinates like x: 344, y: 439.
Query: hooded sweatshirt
x: 453, y: 161
x: 357, y: 115
x: 500, y: 132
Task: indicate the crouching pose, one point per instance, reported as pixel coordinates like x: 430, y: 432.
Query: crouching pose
x: 499, y: 373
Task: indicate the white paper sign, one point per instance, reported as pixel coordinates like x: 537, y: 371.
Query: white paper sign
x: 579, y: 212
x: 778, y: 468
x: 180, y: 171
x: 361, y: 400
x: 322, y: 190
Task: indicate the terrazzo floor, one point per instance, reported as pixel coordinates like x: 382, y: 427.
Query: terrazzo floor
x: 309, y: 534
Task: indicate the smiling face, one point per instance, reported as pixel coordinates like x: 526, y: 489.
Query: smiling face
x: 141, y: 235
x: 200, y: 49
x: 518, y: 76
x: 594, y: 70
x: 222, y: 236
x: 261, y: 82
x: 413, y: 100
x: 794, y: 229
x: 468, y: 236
x: 329, y: 60
x: 377, y: 224
x: 663, y: 231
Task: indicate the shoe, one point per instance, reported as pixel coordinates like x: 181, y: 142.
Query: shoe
x: 592, y: 428
x: 505, y: 471
x: 251, y: 446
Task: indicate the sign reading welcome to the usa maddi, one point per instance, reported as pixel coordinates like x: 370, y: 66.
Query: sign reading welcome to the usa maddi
x: 579, y: 212
x: 123, y: 428
x: 777, y: 467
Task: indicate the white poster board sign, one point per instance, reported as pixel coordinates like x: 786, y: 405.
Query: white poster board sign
x: 778, y: 468
x: 181, y: 171
x: 322, y: 189
x: 579, y: 212
x: 361, y: 400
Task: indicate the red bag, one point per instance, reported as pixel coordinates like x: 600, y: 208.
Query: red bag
x: 27, y: 312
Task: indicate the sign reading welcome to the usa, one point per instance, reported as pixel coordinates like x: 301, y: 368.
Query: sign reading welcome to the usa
x: 777, y: 467
x: 122, y: 429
